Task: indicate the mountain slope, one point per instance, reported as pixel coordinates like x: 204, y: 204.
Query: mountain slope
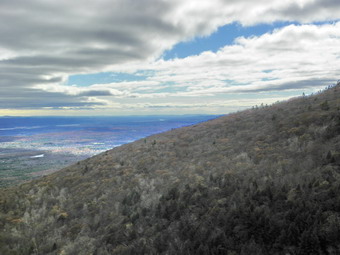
x: 261, y: 181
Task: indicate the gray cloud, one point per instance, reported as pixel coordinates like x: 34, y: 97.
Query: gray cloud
x: 299, y: 84
x: 42, y: 42
x: 305, y: 84
x: 33, y: 99
x: 313, y: 10
x: 95, y: 93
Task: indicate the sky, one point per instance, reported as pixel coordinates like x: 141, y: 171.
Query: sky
x: 155, y: 57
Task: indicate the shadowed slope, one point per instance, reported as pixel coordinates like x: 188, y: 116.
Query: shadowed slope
x: 260, y: 181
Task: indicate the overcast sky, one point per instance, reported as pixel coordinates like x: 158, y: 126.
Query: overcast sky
x: 127, y: 57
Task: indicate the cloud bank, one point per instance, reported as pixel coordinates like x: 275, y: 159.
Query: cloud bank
x: 43, y: 42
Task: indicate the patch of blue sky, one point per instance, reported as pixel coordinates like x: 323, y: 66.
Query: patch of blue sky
x: 326, y: 22
x: 224, y: 36
x: 268, y: 70
x: 269, y: 79
x: 234, y: 83
x: 84, y: 80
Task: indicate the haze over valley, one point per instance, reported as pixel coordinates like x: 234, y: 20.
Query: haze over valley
x: 34, y: 146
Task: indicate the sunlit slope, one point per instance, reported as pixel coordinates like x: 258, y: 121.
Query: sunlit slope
x: 261, y: 181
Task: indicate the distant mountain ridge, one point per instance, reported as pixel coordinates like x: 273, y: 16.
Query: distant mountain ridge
x: 261, y: 181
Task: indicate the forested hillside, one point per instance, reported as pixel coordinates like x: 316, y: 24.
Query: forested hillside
x: 261, y: 181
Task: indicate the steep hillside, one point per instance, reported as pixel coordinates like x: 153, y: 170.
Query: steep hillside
x: 261, y: 181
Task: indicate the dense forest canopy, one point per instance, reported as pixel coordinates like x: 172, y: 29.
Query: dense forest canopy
x: 261, y: 181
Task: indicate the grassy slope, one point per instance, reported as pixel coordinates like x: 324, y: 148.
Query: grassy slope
x: 260, y: 181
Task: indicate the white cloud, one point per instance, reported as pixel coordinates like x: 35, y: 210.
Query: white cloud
x: 297, y: 56
x: 42, y: 42
x: 294, y: 57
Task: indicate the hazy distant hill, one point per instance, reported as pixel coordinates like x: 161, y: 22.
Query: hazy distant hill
x: 261, y: 181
